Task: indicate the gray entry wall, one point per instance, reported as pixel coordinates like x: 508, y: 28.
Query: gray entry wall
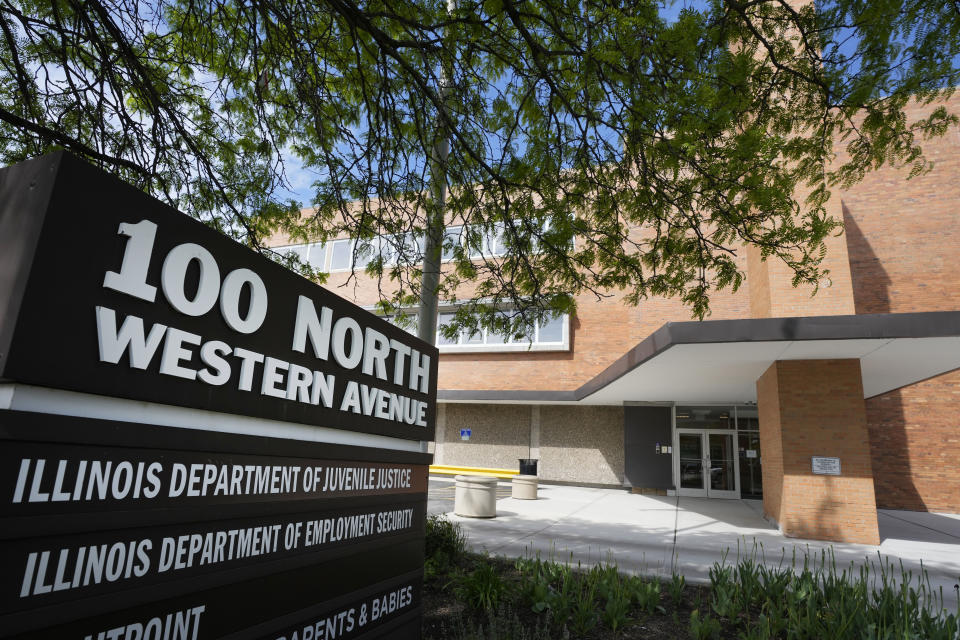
x: 643, y: 428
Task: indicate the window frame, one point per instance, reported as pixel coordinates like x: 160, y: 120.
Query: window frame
x: 351, y: 242
x: 490, y: 242
x: 462, y: 346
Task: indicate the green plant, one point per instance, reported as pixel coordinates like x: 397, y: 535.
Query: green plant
x: 481, y: 589
x: 583, y: 617
x: 704, y: 628
x: 761, y: 629
x: 723, y: 601
x: 547, y: 587
x: 436, y: 566
x: 805, y: 598
x: 537, y: 593
x: 615, y: 611
x: 677, y: 585
x: 444, y: 537
x: 444, y: 547
x: 646, y: 594
x: 561, y: 598
x: 614, y: 591
x: 502, y: 623
x: 725, y: 591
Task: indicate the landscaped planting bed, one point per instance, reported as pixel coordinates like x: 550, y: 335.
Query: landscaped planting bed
x: 474, y: 596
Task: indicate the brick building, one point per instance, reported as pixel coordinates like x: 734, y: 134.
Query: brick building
x: 826, y: 406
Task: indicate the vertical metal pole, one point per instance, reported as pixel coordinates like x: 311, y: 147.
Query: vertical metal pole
x: 433, y: 242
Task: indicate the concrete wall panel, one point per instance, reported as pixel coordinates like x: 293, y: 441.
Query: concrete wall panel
x: 500, y: 434
x: 581, y: 444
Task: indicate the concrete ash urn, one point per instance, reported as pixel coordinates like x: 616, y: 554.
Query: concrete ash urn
x: 476, y: 496
x: 524, y: 487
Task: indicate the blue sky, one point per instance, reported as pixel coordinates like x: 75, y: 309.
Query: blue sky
x: 301, y: 179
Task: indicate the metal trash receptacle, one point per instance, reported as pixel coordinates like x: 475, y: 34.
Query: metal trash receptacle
x: 528, y: 466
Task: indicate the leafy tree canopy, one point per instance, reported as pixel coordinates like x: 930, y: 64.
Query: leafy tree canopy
x: 660, y: 146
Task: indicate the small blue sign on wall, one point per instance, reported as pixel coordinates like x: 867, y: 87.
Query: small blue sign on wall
x: 464, y: 434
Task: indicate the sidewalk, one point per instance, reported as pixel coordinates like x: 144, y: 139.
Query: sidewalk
x: 655, y: 535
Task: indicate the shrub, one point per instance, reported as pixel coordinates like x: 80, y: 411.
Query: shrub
x: 445, y: 545
x: 481, y: 589
x: 445, y: 537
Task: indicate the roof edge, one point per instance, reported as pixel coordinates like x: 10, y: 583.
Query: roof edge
x: 924, y: 324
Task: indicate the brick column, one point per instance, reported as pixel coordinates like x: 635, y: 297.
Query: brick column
x: 816, y: 408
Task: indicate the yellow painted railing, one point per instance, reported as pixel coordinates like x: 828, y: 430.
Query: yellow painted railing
x: 450, y: 470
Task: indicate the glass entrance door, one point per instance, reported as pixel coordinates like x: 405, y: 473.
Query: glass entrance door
x: 690, y: 446
x: 722, y: 463
x: 751, y: 481
x: 707, y: 464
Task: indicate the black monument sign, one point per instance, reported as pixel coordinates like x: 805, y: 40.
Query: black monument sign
x: 114, y: 529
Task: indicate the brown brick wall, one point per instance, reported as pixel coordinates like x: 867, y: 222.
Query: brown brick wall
x: 772, y: 294
x: 915, y: 440
x: 602, y: 331
x: 771, y: 441
x: 758, y: 283
x: 903, y: 238
x: 819, y: 411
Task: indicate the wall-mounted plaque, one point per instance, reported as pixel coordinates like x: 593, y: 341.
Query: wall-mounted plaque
x: 825, y: 466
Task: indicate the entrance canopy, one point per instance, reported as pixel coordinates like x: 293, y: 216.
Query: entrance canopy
x: 720, y: 360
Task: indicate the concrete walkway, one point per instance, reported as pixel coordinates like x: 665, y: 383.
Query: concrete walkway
x: 657, y: 535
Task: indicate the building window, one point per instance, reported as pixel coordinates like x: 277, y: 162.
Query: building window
x: 550, y: 335
x: 408, y: 323
x: 341, y: 253
x: 313, y: 254
x: 451, y: 239
x: 366, y: 251
x: 551, y: 331
x: 391, y: 248
x: 705, y: 417
x: 317, y: 256
x: 298, y: 250
x: 490, y: 243
x: 442, y: 319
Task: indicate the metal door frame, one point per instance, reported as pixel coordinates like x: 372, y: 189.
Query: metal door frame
x: 706, y: 491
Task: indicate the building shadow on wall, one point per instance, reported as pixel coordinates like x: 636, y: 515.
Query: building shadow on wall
x: 823, y: 525
x: 886, y: 423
